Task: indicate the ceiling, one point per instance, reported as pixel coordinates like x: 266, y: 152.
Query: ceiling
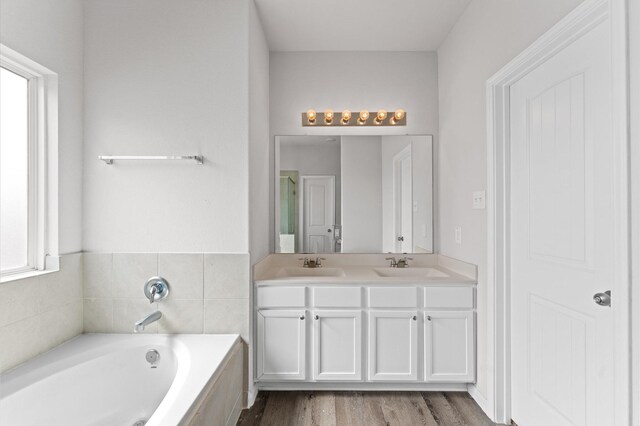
x: 358, y: 25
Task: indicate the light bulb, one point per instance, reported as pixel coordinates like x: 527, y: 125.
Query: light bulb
x: 311, y: 116
x: 397, y: 116
x: 364, y: 116
x: 328, y: 116
x: 382, y: 114
x: 346, y: 116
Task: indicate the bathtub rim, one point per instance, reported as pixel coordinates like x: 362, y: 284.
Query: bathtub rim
x: 207, y: 355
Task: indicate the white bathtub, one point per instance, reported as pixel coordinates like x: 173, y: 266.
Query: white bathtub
x: 104, y: 379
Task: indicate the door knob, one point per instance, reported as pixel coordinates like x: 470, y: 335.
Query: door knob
x: 400, y: 238
x: 603, y: 299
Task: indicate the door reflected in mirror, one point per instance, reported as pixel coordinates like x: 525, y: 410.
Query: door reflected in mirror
x: 354, y: 194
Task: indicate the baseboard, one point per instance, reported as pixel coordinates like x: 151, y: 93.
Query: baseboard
x: 235, y: 412
x: 251, y: 396
x: 481, y: 400
x: 369, y: 386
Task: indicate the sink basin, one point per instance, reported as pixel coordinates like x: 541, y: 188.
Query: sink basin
x: 309, y: 272
x: 410, y: 272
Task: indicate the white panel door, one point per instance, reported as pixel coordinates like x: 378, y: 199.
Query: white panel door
x: 281, y: 344
x: 393, y: 345
x: 318, y: 213
x: 562, y: 177
x: 403, y: 201
x: 337, y: 345
x: 448, y: 346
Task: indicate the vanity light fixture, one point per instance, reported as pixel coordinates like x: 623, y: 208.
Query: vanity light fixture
x: 328, y: 117
x: 346, y: 117
x: 355, y: 118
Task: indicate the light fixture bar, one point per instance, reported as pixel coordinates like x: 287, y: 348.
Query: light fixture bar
x: 347, y: 118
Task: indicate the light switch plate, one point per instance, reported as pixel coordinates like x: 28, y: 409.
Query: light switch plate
x: 479, y: 200
x: 458, y: 234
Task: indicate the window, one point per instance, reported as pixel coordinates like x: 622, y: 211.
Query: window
x: 14, y: 172
x: 25, y: 118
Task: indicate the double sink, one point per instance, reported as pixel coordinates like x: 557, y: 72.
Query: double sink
x: 409, y: 272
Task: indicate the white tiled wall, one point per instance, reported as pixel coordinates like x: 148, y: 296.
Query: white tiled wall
x: 209, y: 292
x: 39, y: 313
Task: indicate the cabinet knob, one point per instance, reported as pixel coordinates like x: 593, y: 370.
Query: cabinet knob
x: 301, y: 317
x: 317, y: 317
x: 428, y: 317
x: 415, y: 318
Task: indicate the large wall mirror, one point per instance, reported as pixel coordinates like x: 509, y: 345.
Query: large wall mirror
x: 354, y: 194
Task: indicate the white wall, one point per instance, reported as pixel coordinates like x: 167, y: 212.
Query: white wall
x: 259, y: 176
x: 164, y: 77
x: 634, y: 50
x: 353, y: 80
x: 488, y: 34
x: 50, y: 33
x: 361, y: 194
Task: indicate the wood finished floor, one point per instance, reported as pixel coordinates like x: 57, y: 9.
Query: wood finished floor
x: 364, y: 409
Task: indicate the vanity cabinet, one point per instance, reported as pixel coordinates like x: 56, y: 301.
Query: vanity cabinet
x: 337, y: 345
x: 356, y: 336
x: 393, y: 345
x: 281, y: 341
x: 448, y: 346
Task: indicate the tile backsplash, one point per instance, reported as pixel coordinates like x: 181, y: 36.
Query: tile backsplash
x: 103, y: 293
x: 209, y: 292
x: 40, y: 312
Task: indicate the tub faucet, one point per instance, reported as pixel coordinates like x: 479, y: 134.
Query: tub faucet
x: 152, y: 317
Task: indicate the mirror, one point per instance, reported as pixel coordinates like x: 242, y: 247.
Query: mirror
x: 354, y: 194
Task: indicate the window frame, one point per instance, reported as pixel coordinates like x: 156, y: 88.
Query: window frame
x: 42, y: 86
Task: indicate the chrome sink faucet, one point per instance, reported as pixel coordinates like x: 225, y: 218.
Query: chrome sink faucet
x: 151, y: 318
x: 312, y: 263
x: 400, y: 263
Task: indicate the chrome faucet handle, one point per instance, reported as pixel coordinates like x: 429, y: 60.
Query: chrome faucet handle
x: 393, y: 261
x: 305, y: 264
x: 153, y: 291
x: 156, y: 289
x: 319, y: 261
x: 404, y: 262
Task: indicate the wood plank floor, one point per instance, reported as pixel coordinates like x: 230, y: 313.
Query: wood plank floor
x: 364, y: 409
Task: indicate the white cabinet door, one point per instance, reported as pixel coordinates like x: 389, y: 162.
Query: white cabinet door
x: 393, y: 345
x: 281, y: 345
x: 337, y: 345
x: 448, y: 346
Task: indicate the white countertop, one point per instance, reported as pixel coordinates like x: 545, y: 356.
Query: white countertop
x: 428, y: 269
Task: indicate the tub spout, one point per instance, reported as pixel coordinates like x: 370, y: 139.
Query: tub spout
x: 152, y: 317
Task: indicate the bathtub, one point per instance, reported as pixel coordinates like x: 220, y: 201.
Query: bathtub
x: 106, y: 379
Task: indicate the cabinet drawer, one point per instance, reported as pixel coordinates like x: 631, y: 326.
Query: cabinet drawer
x: 393, y: 297
x: 448, y: 297
x: 281, y: 297
x: 337, y: 297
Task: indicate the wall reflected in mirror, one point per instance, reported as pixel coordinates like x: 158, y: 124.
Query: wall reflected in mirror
x: 354, y: 194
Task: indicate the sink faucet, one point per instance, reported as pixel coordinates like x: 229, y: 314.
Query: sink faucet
x: 404, y: 262
x: 400, y: 263
x: 312, y: 263
x: 151, y: 318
